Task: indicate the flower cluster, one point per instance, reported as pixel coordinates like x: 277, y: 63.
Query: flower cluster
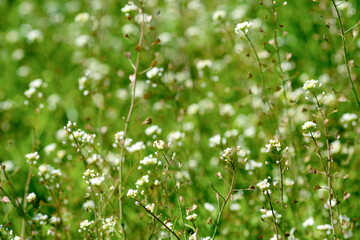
x: 226, y: 110
x: 149, y: 160
x: 32, y: 158
x: 138, y: 146
x: 191, y: 217
x: 40, y: 218
x: 243, y: 28
x: 95, y: 158
x: 82, y: 18
x: 264, y: 186
x: 70, y: 126
x: 93, y: 178
x: 34, y: 86
x: 269, y: 214
x: 85, y: 226
x: 216, y: 140
x: 154, y: 72
x: 226, y: 155
x: 150, y: 207
x: 347, y: 118
x: 309, y: 85
x: 118, y: 138
x: 79, y: 135
x: 159, y: 144
x: 175, y: 137
x: 31, y: 197
x: 129, y: 8
x: 218, y: 16
x: 83, y: 137
x: 142, y: 180
x: 273, y: 146
x: 108, y: 224
x: 153, y: 130
x: 49, y: 174
x: 132, y: 193
x: 309, y: 125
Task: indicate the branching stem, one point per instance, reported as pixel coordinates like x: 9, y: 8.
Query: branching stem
x: 226, y: 200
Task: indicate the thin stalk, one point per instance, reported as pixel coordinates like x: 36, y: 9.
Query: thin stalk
x: 283, y: 81
x: 58, y: 210
x: 345, y: 53
x: 292, y: 139
x: 28, y: 179
x: 273, y: 215
x: 225, y: 201
x: 328, y: 173
x: 319, y: 152
x: 159, y: 220
x: 14, y: 201
x: 133, y: 88
x: 177, y: 193
x: 282, y: 194
x: 78, y: 148
x: 275, y: 120
x: 258, y: 62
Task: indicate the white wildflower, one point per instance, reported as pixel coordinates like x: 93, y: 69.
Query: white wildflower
x: 150, y: 207
x: 149, y: 160
x: 32, y: 158
x: 142, y: 180
x: 132, y: 193
x: 191, y: 217
x: 35, y: 36
x: 31, y: 197
x: 310, y: 84
x: 203, y: 64
x: 273, y: 146
x: 308, y: 222
x: 159, y: 144
x: 97, y: 180
x: 82, y: 17
x: 243, y: 28
x: 218, y: 15
x: 264, y: 185
x: 348, y: 118
x: 153, y: 129
x: 226, y: 110
x: 154, y: 72
x: 309, y: 125
x: 129, y: 7
x: 28, y: 93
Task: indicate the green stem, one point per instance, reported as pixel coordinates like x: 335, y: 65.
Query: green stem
x: 282, y: 195
x: 345, y: 54
x: 273, y: 215
x: 177, y: 194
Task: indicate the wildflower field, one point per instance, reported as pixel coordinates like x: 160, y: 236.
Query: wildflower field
x: 179, y: 119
